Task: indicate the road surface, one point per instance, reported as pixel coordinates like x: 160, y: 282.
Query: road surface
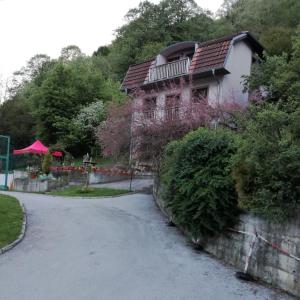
x: 112, y: 248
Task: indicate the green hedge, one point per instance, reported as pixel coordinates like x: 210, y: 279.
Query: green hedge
x: 267, y: 164
x: 200, y: 190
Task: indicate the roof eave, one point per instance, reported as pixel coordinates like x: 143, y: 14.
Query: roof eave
x: 254, y: 43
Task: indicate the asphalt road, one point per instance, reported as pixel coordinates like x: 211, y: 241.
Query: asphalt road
x: 136, y: 184
x: 112, y: 248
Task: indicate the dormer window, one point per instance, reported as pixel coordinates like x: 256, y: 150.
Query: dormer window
x: 190, y: 55
x: 171, y: 59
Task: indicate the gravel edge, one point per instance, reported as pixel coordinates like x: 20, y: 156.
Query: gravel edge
x: 21, y: 235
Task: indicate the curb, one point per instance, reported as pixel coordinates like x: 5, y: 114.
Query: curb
x: 98, y: 197
x: 21, y: 235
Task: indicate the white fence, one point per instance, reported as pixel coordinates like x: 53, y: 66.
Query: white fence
x: 170, y: 70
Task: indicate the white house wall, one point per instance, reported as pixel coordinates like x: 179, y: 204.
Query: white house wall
x: 185, y: 94
x: 238, y: 64
x: 225, y: 88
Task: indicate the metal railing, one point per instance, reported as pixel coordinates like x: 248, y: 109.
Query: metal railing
x: 169, y: 70
x: 169, y: 113
x: 150, y: 114
x: 172, y: 113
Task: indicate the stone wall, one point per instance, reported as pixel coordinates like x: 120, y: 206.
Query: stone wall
x: 266, y: 264
x: 37, y: 186
x: 79, y: 178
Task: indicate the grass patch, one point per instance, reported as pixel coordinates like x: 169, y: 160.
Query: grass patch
x: 80, y: 191
x: 11, y: 219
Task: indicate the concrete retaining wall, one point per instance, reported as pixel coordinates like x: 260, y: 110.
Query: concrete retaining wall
x: 267, y: 264
x: 77, y: 177
x: 37, y: 186
x: 61, y: 179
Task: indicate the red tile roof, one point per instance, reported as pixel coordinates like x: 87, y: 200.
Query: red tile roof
x: 136, y: 74
x: 209, y: 55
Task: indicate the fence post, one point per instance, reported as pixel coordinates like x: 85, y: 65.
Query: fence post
x: 6, y: 157
x: 7, y: 162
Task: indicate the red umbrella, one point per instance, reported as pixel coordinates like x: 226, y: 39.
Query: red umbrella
x: 57, y: 154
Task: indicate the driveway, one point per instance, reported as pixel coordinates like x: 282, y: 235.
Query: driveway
x: 112, y: 248
x: 136, y: 184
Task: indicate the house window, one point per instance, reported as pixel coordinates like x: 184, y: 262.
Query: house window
x: 174, y: 58
x: 190, y: 55
x: 172, y: 106
x: 149, y: 107
x: 199, y: 95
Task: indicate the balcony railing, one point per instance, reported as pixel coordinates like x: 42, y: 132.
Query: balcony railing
x: 170, y: 70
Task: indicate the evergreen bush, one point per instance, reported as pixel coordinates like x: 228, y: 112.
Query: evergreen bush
x: 46, y: 163
x: 200, y: 190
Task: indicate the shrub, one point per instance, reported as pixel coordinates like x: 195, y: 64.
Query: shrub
x: 200, y: 190
x: 47, y: 163
x: 267, y: 164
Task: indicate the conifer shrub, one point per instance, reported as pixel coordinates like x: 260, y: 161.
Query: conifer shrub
x: 46, y: 165
x: 199, y: 189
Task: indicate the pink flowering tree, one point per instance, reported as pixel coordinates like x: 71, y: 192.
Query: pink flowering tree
x: 114, y: 134
x: 140, y: 128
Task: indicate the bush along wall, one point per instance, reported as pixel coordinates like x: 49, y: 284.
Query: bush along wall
x: 196, y: 189
x: 199, y: 189
x: 267, y: 163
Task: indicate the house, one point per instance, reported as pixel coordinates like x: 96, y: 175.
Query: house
x: 213, y: 70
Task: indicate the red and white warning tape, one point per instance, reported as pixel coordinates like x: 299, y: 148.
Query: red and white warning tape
x: 255, y: 236
x: 250, y: 252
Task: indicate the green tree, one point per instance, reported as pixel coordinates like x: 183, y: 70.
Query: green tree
x: 46, y: 165
x: 151, y: 27
x: 70, y: 53
x: 16, y: 120
x: 67, y: 88
x: 280, y: 77
x: 34, y: 70
x: 267, y: 164
x: 273, y: 22
x: 84, y: 125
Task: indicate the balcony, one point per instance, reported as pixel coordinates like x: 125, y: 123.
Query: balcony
x: 169, y: 70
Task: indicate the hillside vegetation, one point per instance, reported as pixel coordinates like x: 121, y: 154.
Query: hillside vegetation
x: 61, y: 100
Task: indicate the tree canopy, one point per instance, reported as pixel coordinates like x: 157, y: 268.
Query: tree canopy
x: 51, y: 93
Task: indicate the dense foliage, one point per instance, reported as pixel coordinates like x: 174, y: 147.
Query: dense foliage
x: 49, y: 98
x: 151, y: 27
x: 267, y: 165
x: 48, y: 94
x: 200, y: 190
x: 46, y: 164
x: 17, y: 121
x: 273, y: 22
x: 62, y: 101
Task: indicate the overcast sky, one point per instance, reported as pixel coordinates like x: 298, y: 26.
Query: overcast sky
x: 28, y: 27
